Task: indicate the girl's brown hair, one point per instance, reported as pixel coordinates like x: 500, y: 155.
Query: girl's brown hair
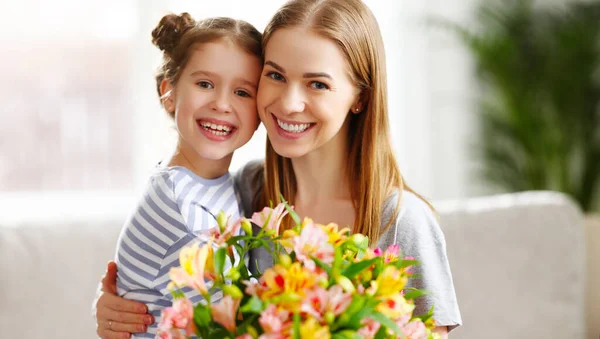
x: 176, y: 35
x: 372, y: 169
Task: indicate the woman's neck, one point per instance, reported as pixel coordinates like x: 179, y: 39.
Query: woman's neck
x: 322, y: 174
x: 185, y: 156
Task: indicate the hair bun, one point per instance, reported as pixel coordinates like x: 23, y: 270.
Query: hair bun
x: 167, y: 34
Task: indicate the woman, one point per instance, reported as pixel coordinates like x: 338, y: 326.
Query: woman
x: 323, y: 100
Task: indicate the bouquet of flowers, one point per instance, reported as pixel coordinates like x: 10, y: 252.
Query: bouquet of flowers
x: 324, y: 283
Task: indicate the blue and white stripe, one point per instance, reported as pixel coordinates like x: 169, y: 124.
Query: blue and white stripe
x: 176, y: 207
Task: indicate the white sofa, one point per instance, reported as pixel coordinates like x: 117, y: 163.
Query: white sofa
x: 518, y: 261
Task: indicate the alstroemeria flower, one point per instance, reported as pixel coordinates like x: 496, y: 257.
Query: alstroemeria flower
x: 177, y: 317
x: 391, y: 253
x: 313, y: 242
x: 311, y: 329
x: 390, y: 281
x: 274, y: 216
x: 395, y: 306
x: 335, y: 236
x: 231, y: 230
x: 225, y: 312
x: 197, y: 263
x: 319, y: 302
x: 274, y: 320
x: 415, y: 330
x: 369, y: 329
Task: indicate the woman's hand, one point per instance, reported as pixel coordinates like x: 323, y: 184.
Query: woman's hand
x: 117, y: 317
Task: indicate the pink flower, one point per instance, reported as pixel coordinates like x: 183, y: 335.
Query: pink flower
x: 225, y: 312
x: 319, y: 301
x: 409, y: 269
x: 391, y: 253
x: 178, y: 317
x: 273, y: 336
x: 313, y: 242
x: 370, y: 328
x: 274, y: 217
x: 415, y: 330
x: 274, y: 320
x: 230, y: 231
x: 244, y: 336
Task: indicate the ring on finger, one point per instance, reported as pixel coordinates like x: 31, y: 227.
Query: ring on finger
x: 110, y: 325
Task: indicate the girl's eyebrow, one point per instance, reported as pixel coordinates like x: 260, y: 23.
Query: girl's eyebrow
x: 215, y: 75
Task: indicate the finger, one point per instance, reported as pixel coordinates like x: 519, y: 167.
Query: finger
x: 119, y: 304
x: 109, y: 281
x: 122, y: 327
x: 108, y: 334
x: 128, y: 318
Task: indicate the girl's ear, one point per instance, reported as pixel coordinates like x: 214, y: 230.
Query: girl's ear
x: 166, y: 95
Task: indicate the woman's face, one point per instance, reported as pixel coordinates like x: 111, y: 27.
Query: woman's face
x: 305, y: 93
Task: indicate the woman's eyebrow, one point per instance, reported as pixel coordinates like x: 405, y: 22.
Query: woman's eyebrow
x: 276, y: 66
x: 317, y: 75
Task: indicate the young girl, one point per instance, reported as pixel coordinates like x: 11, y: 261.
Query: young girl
x: 208, y: 84
x: 323, y: 101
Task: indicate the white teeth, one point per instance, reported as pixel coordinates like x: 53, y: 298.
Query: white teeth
x: 214, y: 127
x: 294, y: 128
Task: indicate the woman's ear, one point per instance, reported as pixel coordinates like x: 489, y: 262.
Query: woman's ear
x: 361, y: 102
x: 166, y: 95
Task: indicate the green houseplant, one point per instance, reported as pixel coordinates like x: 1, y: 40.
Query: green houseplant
x: 539, y: 75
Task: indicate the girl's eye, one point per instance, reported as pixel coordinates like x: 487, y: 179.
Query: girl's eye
x: 318, y: 85
x: 242, y: 93
x: 275, y: 76
x: 205, y: 85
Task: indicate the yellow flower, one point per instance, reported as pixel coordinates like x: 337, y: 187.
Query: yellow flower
x: 336, y: 236
x: 196, y: 264
x: 311, y: 329
x: 288, y: 284
x: 390, y: 281
x: 395, y: 306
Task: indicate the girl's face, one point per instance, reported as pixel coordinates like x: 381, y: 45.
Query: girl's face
x: 305, y: 93
x: 214, y: 100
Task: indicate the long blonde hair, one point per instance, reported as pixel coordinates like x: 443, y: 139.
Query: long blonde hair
x: 372, y: 169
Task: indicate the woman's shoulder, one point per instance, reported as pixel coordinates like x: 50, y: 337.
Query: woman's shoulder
x: 411, y: 208
x: 248, y: 181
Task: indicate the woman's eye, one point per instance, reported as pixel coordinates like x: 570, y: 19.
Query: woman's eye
x: 243, y: 94
x: 318, y: 85
x: 205, y: 85
x: 275, y: 76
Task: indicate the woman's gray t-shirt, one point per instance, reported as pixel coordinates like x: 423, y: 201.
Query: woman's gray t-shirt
x: 415, y: 230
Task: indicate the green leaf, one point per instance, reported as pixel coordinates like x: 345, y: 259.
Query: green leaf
x: 427, y: 316
x: 406, y: 263
x: 254, y: 305
x: 293, y: 214
x: 296, y: 326
x: 220, y: 258
x: 387, y: 322
x: 346, y: 334
x: 202, y: 317
x: 415, y: 294
x: 382, y: 333
x: 356, y: 268
x: 322, y: 265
